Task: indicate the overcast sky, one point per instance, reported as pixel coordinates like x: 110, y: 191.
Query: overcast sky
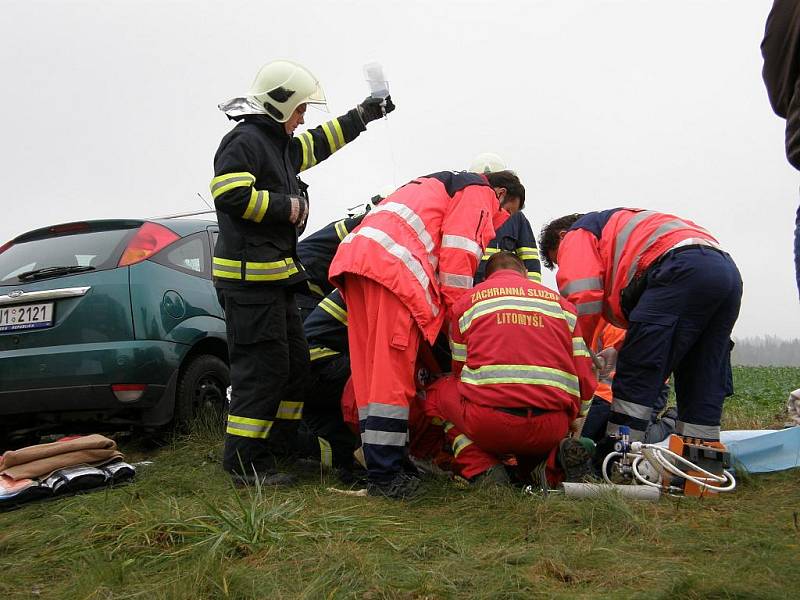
x: 108, y: 109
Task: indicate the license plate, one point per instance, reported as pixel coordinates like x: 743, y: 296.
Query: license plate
x: 26, y: 316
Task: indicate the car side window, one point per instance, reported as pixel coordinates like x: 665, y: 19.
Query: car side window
x: 189, y: 255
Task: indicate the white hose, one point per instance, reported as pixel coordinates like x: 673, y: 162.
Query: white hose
x: 708, y: 480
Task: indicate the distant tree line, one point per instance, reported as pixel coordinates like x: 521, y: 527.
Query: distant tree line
x: 767, y: 351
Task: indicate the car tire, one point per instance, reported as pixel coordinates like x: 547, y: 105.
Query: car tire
x: 201, y: 391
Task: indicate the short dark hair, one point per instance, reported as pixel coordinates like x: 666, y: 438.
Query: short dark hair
x: 505, y: 260
x: 510, y: 181
x: 549, y: 238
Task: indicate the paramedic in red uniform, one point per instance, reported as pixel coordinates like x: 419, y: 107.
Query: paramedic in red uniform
x: 521, y: 376
x: 667, y: 281
x: 400, y: 273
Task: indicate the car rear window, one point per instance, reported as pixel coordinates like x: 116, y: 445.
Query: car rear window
x: 98, y: 249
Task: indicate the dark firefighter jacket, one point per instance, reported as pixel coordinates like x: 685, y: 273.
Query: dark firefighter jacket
x: 316, y: 253
x: 326, y: 328
x: 255, y: 176
x: 515, y: 235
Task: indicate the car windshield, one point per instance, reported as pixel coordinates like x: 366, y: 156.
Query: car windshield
x: 97, y: 249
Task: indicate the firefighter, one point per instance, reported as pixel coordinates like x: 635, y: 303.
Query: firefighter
x: 261, y: 209
x: 400, y: 272
x: 328, y: 437
x: 668, y: 282
x: 781, y: 51
x: 316, y: 252
x: 516, y: 234
x: 522, y: 376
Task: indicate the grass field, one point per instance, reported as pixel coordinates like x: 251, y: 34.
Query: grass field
x: 181, y: 531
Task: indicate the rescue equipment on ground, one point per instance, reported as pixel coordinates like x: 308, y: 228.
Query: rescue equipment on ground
x: 68, y: 466
x: 686, y: 467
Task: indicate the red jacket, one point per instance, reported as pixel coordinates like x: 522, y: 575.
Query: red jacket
x: 424, y: 242
x: 517, y: 344
x: 603, y: 251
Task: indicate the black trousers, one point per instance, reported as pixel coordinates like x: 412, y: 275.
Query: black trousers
x: 323, y: 411
x: 269, y: 367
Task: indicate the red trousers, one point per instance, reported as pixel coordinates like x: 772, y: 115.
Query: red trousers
x: 384, y: 340
x: 482, y: 436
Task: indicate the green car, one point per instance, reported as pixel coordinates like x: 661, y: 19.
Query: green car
x: 108, y: 325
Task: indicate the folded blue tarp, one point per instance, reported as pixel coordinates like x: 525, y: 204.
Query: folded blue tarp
x: 763, y: 450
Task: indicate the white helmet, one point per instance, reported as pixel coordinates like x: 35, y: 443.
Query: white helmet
x: 282, y: 85
x: 487, y: 162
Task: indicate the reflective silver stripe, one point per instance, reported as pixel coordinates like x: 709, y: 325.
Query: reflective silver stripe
x: 338, y: 134
x: 307, y: 143
x: 705, y: 432
x: 590, y: 308
x: 341, y: 229
x: 665, y: 228
x: 259, y: 208
x: 462, y: 243
x: 230, y: 180
x: 400, y: 252
x: 289, y: 411
x: 384, y: 438
x: 572, y: 320
x: 622, y: 238
x: 459, y: 351
x: 414, y: 221
x: 456, y: 281
x: 389, y: 411
x: 696, y: 242
x: 461, y: 442
x: 672, y: 225
x: 485, y: 307
x: 631, y: 409
x: 582, y: 285
x: 325, y: 452
x: 579, y: 347
x: 225, y: 268
x: 525, y: 374
x: 636, y: 435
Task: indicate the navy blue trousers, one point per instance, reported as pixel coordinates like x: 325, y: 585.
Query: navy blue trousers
x: 681, y: 325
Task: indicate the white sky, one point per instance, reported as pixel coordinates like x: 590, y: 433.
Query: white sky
x: 108, y: 109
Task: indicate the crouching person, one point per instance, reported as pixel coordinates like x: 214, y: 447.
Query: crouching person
x: 521, y: 376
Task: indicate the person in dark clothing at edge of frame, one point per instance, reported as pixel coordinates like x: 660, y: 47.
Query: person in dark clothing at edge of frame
x: 261, y: 209
x: 781, y: 51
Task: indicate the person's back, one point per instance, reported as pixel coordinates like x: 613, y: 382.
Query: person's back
x: 516, y: 331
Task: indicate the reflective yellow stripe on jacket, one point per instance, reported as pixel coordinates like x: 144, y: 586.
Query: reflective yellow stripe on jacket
x: 549, y: 308
x: 522, y: 374
x: 223, y: 183
x: 224, y: 268
x: 334, y: 310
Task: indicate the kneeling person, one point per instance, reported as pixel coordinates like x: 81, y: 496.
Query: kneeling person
x: 521, y: 376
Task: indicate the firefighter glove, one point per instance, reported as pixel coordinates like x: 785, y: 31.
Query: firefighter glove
x: 374, y: 108
x: 298, y: 211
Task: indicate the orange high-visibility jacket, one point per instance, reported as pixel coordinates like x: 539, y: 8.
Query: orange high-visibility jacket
x: 603, y: 251
x: 606, y: 336
x: 423, y: 243
x: 517, y: 344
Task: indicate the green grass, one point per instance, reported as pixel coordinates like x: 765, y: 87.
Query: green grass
x: 181, y: 531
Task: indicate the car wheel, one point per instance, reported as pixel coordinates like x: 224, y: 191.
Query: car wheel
x: 201, y: 391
